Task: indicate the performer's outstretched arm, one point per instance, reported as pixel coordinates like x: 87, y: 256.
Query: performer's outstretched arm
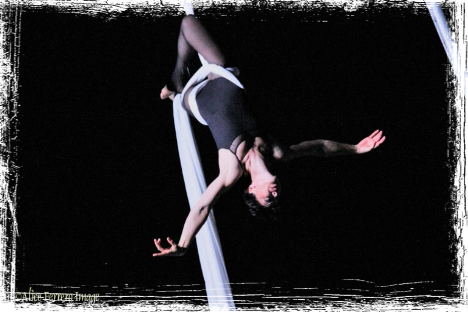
x: 200, y: 212
x: 326, y: 148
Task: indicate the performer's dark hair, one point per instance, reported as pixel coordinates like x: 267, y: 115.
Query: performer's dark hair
x: 260, y: 211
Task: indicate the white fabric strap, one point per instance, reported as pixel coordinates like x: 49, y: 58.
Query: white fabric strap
x: 192, y: 101
x: 188, y: 7
x: 208, y: 243
x: 217, y: 285
x: 199, y: 79
x: 450, y: 46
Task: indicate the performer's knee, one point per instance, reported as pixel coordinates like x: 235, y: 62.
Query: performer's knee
x: 189, y: 22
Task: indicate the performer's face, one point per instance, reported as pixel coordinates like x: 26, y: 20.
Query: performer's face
x: 264, y: 190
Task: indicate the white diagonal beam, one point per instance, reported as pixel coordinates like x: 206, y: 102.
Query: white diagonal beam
x: 449, y: 44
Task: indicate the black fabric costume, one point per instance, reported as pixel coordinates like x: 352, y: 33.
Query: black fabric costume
x: 223, y: 105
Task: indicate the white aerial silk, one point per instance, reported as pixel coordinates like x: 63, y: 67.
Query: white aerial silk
x: 199, y: 79
x: 209, y: 248
x: 449, y: 45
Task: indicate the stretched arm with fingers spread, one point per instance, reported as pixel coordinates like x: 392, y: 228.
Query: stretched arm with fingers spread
x: 326, y: 148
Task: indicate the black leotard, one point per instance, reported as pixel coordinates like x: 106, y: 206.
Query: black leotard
x: 223, y: 105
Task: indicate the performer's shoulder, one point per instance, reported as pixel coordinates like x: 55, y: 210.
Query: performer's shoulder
x: 229, y: 167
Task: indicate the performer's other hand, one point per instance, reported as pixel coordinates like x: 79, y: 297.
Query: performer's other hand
x: 174, y: 250
x: 371, y: 142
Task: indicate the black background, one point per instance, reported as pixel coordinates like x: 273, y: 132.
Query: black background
x: 100, y: 175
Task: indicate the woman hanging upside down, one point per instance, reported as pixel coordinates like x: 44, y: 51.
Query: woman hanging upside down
x: 242, y: 149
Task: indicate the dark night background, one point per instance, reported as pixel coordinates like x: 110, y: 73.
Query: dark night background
x: 100, y: 175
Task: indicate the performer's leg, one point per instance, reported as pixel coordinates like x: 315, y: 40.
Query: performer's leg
x: 199, y: 39
x: 193, y: 37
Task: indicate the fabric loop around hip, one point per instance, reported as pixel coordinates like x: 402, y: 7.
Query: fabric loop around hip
x: 199, y: 79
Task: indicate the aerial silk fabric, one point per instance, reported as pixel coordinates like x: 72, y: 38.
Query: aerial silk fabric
x: 199, y: 79
x: 450, y: 47
x: 209, y: 247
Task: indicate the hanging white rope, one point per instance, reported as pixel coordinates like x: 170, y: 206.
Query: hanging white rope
x: 209, y: 247
x: 188, y: 7
x: 450, y: 47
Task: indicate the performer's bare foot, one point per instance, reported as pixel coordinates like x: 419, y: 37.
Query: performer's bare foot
x: 166, y: 93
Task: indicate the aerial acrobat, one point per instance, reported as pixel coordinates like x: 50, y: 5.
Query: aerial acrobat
x: 242, y: 149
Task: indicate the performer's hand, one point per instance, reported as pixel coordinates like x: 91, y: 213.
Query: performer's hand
x: 174, y: 250
x: 369, y: 143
